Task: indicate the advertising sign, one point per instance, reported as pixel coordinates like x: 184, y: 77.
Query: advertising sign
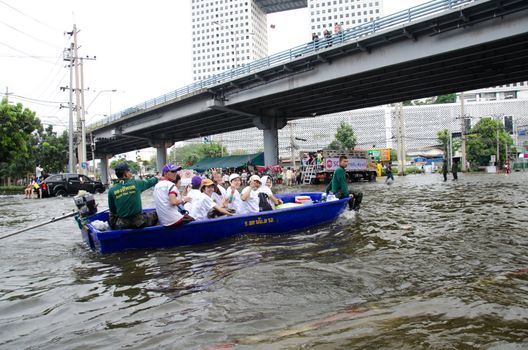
x: 379, y: 154
x: 353, y: 164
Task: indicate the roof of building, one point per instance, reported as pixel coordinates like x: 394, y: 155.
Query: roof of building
x: 229, y: 162
x: 270, y: 6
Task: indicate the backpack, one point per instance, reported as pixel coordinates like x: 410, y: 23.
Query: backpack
x: 264, y: 205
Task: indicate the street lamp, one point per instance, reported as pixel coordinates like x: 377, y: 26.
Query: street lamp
x: 92, y: 144
x: 219, y: 25
x: 96, y: 96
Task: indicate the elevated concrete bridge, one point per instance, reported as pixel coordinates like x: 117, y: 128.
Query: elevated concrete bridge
x: 452, y: 46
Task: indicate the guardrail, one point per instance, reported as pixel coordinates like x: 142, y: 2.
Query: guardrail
x: 354, y: 33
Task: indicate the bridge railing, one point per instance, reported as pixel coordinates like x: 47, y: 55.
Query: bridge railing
x: 399, y: 18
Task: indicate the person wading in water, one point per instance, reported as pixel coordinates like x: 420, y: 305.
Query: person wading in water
x: 339, y: 187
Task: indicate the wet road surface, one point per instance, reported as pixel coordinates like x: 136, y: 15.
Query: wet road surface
x: 424, y: 265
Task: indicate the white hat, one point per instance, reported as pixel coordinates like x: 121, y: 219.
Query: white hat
x: 255, y: 178
x: 233, y: 176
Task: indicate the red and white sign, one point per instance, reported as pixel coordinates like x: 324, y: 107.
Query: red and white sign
x: 353, y: 164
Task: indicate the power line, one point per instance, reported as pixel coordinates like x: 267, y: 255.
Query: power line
x: 24, y: 53
x: 28, y: 16
x: 37, y: 100
x: 29, y: 35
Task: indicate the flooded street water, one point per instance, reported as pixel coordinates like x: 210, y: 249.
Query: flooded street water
x: 424, y: 265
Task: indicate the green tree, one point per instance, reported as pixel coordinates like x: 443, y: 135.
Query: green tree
x: 482, y: 142
x: 134, y: 167
x: 50, y: 150
x: 443, y: 138
x: 16, y: 127
x: 189, y: 155
x: 449, y: 98
x: 213, y: 149
x: 345, y: 138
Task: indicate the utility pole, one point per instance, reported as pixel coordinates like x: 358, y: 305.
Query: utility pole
x: 292, y: 144
x: 463, y: 131
x: 7, y: 93
x: 83, y: 116
x: 81, y: 156
x: 401, y: 136
x: 68, y: 56
x: 498, y: 149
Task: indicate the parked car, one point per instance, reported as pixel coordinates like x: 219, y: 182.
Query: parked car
x: 71, y: 184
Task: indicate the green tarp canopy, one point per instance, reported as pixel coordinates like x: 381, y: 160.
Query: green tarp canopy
x: 229, y: 162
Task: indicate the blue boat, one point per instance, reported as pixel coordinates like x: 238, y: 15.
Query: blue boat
x: 280, y: 221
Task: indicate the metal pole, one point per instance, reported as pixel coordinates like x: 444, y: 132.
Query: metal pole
x: 71, y: 159
x: 80, y: 155
x: 401, y: 142
x: 463, y: 131
x: 292, y: 160
x: 498, y: 154
x: 450, y: 151
x: 83, y: 120
x: 92, y: 145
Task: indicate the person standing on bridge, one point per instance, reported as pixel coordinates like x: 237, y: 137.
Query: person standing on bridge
x: 124, y: 201
x: 339, y: 186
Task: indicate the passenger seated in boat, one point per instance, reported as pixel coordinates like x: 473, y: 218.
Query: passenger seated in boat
x: 232, y: 197
x: 194, y: 193
x: 205, y: 207
x: 220, y: 191
x: 124, y: 201
x: 250, y: 199
x: 167, y: 198
x: 267, y: 201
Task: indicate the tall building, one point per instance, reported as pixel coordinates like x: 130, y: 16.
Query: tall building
x: 226, y: 34
x: 497, y: 93
x: 349, y: 13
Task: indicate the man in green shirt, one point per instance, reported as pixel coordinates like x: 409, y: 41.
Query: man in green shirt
x: 124, y: 201
x: 339, y: 187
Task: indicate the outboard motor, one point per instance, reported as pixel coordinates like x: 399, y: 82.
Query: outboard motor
x: 85, y: 203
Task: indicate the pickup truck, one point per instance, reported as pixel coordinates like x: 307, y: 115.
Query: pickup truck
x: 71, y: 184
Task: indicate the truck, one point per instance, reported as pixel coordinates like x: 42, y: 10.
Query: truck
x: 361, y: 166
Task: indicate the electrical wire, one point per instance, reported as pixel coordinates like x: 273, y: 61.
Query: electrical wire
x: 37, y: 100
x: 29, y: 35
x: 28, y: 16
x: 24, y: 53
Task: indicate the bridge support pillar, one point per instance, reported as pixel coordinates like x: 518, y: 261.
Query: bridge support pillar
x: 104, y: 169
x: 161, y: 154
x: 271, y: 127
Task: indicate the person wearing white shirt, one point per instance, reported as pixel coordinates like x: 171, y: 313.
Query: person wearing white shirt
x: 194, y: 193
x: 250, y: 199
x: 267, y: 183
x: 38, y: 171
x: 232, y: 197
x: 167, y: 198
x: 219, y: 193
x: 204, y: 203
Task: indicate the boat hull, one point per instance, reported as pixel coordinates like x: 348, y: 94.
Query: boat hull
x: 198, y: 232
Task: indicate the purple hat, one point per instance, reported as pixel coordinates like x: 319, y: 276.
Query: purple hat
x: 170, y: 167
x: 196, y: 181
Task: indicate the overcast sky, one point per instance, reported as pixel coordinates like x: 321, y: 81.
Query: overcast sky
x: 142, y: 49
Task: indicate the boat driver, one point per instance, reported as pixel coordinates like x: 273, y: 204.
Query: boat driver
x: 124, y: 201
